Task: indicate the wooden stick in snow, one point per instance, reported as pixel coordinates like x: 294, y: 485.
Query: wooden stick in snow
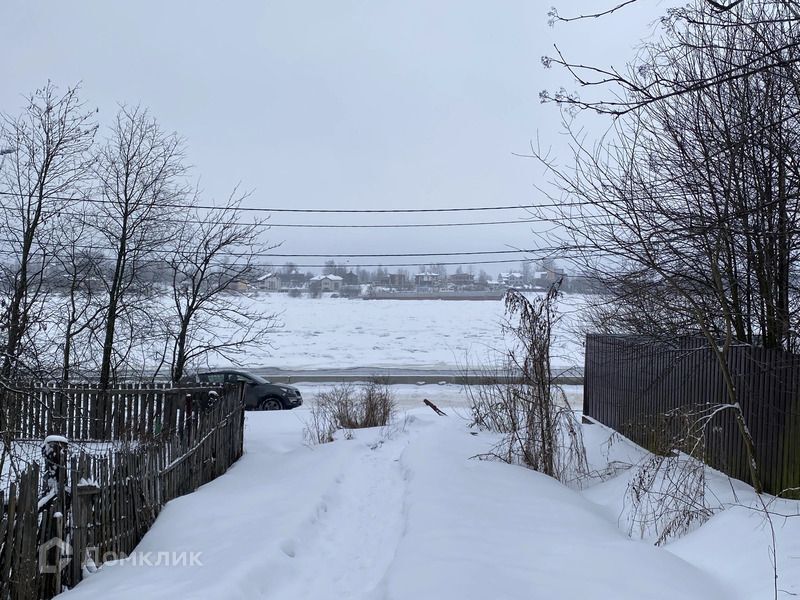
x: 435, y: 408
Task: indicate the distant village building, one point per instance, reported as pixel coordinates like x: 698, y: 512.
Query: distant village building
x: 268, y: 282
x: 460, y: 280
x: 325, y: 283
x: 510, y: 279
x: 426, y: 281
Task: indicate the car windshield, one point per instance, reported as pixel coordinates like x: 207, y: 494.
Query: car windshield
x: 257, y: 378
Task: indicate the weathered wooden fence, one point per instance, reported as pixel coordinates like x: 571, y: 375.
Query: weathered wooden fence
x: 98, y: 500
x: 630, y: 382
x: 84, y: 412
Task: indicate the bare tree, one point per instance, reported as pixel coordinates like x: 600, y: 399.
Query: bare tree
x: 43, y: 175
x: 77, y: 273
x: 141, y: 177
x: 208, y: 259
x: 624, y: 90
x: 689, y: 214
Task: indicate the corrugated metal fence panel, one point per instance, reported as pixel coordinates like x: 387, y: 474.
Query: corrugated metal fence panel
x: 631, y: 382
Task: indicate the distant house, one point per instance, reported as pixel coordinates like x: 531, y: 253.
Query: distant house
x: 268, y: 282
x: 426, y: 281
x: 462, y: 279
x: 510, y: 279
x: 326, y: 283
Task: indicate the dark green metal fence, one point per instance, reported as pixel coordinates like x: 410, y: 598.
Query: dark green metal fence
x: 632, y: 382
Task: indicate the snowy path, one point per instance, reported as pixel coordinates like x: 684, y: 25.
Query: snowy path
x: 346, y: 548
x: 397, y: 515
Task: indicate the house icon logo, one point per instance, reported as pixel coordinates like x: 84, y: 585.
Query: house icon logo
x: 54, y: 555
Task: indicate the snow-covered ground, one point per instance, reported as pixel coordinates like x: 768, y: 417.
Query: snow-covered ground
x: 323, y: 333
x: 443, y: 395
x: 405, y: 513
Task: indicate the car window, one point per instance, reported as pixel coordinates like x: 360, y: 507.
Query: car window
x: 244, y: 378
x: 215, y: 378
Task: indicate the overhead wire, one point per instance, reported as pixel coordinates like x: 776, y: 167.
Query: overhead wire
x: 313, y: 210
x: 530, y: 220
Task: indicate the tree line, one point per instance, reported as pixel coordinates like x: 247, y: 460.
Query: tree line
x: 102, y: 212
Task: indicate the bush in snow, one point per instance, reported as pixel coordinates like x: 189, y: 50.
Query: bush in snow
x: 349, y: 407
x: 539, y: 428
x: 667, y: 493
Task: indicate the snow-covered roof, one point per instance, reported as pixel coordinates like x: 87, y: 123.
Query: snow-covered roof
x: 266, y: 276
x: 330, y: 277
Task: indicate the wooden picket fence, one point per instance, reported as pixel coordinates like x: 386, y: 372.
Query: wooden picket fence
x: 84, y: 412
x: 81, y: 503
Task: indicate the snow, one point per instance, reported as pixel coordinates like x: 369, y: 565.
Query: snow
x: 55, y: 439
x: 323, y: 333
x: 45, y: 500
x: 403, y: 512
x: 328, y: 277
x: 448, y: 395
x: 735, y: 546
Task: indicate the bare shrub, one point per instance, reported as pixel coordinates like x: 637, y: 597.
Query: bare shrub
x: 667, y: 498
x: 319, y: 428
x: 667, y: 493
x: 521, y: 401
x: 375, y: 407
x: 349, y: 407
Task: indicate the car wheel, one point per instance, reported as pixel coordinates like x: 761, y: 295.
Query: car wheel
x: 270, y: 404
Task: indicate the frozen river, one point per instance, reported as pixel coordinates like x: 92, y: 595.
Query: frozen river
x: 338, y: 333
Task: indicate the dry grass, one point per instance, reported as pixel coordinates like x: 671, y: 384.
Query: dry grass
x: 347, y: 407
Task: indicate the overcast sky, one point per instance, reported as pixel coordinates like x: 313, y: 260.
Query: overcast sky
x: 320, y: 104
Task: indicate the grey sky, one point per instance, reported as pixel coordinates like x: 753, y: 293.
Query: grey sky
x: 319, y: 104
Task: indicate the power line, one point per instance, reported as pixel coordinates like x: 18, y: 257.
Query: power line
x: 313, y: 210
x: 399, y: 255
x: 154, y: 262
x: 269, y: 225
x: 397, y: 225
x: 543, y: 251
x: 68, y: 245
x: 372, y: 210
x: 425, y: 264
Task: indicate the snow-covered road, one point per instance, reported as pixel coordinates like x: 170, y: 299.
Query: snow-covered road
x: 401, y: 513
